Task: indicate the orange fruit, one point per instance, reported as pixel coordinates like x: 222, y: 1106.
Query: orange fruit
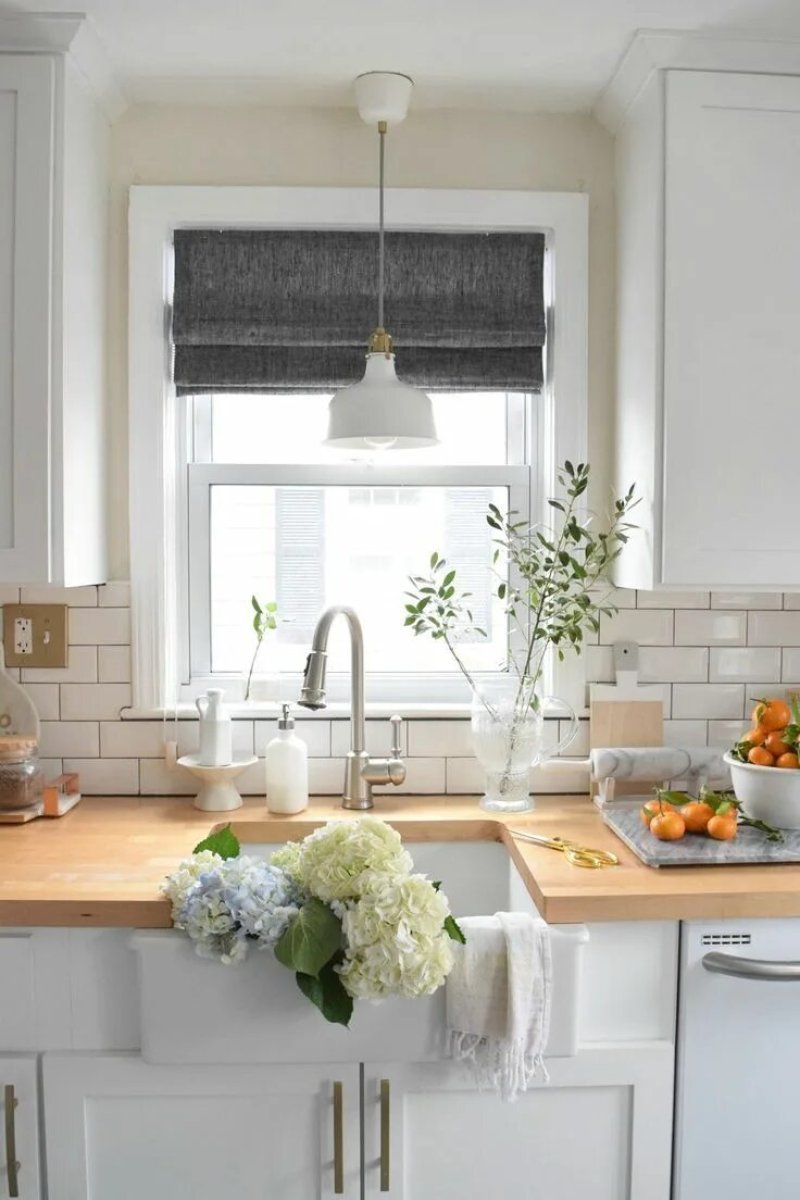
x: 754, y: 737
x: 696, y: 815
x: 772, y: 714
x: 775, y: 743
x: 668, y: 826
x: 722, y: 829
x: 760, y: 757
x: 789, y: 760
x: 653, y: 808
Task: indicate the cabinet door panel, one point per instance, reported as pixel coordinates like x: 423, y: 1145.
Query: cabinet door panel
x: 26, y: 224
x: 599, y: 1131
x: 731, y: 316
x: 120, y: 1128
x: 19, y: 1073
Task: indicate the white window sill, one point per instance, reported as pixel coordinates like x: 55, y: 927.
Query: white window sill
x: 336, y: 710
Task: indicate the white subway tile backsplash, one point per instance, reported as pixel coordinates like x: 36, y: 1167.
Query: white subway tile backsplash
x: 465, y: 777
x: 81, y: 668
x: 189, y: 737
x: 106, y: 776
x: 791, y: 663
x: 599, y: 662
x: 93, y: 701
x: 325, y: 776
x: 663, y: 599
x: 773, y: 628
x: 113, y: 663
x: 8, y: 594
x: 51, y: 767
x: 156, y: 780
x: 134, y: 739
x: 84, y: 597
x: 99, y: 627
x: 791, y: 600
x: 732, y: 663
x: 685, y: 733
x: 114, y: 595
x: 424, y: 776
x: 693, y: 700
x: 711, y: 628
x: 620, y: 597
x: 653, y: 628
x: 316, y: 735
x: 725, y: 733
x: 746, y: 600
x: 46, y: 700
x: 448, y: 738
x: 69, y: 739
x: 673, y: 664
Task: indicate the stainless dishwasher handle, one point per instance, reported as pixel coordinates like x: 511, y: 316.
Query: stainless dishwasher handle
x: 772, y: 970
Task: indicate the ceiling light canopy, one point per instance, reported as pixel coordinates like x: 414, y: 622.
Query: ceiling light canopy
x: 381, y: 412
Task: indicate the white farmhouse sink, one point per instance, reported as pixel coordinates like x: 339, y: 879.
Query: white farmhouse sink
x: 196, y: 1011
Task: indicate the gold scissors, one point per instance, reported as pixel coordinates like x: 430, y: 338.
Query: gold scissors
x: 576, y: 855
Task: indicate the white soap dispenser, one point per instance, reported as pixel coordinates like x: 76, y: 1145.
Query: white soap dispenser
x: 287, y: 769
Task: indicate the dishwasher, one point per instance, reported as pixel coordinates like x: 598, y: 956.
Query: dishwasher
x: 737, y: 1127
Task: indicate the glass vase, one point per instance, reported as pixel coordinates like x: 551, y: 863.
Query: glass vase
x: 508, y: 740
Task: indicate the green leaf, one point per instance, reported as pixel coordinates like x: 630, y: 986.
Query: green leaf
x: 222, y: 842
x: 453, y: 930
x: 434, y: 559
x: 272, y: 606
x: 255, y: 604
x: 311, y: 939
x: 327, y: 992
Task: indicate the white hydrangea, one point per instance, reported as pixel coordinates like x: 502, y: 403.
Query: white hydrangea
x: 395, y: 939
x: 185, y: 875
x: 343, y: 858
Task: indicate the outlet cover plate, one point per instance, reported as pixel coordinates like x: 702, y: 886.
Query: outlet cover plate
x: 49, y: 641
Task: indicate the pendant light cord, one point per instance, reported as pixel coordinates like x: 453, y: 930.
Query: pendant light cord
x: 381, y: 253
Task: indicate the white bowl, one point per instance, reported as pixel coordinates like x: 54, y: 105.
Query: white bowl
x: 769, y: 794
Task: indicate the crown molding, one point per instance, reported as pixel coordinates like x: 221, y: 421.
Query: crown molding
x: 669, y: 49
x: 67, y: 33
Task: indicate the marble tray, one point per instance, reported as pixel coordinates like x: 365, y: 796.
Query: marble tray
x: 695, y: 850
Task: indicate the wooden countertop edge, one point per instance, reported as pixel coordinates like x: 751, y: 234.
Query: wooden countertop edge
x: 64, y: 873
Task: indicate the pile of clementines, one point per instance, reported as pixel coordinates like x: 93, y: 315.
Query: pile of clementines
x: 773, y: 739
x: 670, y: 815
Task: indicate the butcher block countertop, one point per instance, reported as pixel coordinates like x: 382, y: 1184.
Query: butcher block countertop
x: 101, y: 864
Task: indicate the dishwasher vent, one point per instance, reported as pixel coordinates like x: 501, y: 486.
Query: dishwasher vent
x: 725, y: 939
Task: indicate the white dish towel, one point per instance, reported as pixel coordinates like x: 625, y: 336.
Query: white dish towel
x: 498, y: 1000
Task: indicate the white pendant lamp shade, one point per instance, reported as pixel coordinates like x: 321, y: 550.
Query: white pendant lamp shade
x: 380, y: 412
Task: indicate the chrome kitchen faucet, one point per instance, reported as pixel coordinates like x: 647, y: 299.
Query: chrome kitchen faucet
x: 360, y: 771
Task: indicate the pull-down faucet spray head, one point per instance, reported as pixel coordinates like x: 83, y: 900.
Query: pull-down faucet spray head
x: 312, y: 694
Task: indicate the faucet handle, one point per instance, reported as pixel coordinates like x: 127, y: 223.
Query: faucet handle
x: 396, y: 724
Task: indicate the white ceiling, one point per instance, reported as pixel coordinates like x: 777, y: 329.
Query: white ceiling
x: 554, y: 55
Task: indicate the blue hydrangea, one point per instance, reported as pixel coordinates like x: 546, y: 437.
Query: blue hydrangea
x: 235, y: 903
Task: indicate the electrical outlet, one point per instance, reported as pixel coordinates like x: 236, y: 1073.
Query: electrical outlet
x: 35, y: 635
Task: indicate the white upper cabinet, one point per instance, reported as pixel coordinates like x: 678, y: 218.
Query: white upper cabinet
x: 53, y: 188
x: 708, y: 177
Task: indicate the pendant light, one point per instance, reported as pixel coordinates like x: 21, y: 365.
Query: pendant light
x: 380, y: 412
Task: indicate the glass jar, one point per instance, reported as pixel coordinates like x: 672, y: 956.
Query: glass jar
x: 21, y: 779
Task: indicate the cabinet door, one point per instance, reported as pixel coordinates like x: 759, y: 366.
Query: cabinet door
x: 731, y: 321
x: 26, y: 235
x: 599, y: 1130
x: 120, y: 1128
x: 19, y: 1160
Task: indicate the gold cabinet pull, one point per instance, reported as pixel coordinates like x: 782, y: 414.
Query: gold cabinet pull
x: 386, y: 1130
x: 12, y: 1166
x: 338, y: 1138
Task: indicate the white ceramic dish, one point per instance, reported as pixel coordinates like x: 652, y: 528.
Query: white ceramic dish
x: 767, y: 793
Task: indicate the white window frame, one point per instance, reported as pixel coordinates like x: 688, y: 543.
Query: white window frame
x: 157, y: 420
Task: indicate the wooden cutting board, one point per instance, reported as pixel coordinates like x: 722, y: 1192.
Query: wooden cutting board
x: 626, y: 713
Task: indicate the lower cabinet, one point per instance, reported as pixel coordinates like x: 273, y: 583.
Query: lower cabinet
x: 599, y: 1130
x: 121, y: 1129
x: 19, y: 1166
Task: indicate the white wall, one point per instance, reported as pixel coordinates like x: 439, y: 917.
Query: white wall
x: 250, y: 145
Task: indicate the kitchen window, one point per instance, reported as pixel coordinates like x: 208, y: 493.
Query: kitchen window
x: 271, y: 511
x: 233, y: 492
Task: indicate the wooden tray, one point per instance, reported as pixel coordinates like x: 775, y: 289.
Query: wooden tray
x: 695, y: 850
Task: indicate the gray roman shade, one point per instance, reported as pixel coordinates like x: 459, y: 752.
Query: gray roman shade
x: 283, y: 310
